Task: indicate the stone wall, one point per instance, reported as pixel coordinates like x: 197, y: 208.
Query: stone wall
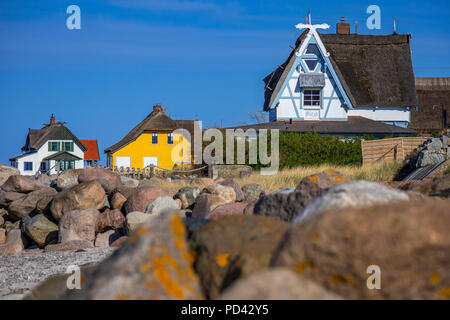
x: 229, y: 171
x: 433, y: 151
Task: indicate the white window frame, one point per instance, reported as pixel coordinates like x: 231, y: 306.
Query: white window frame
x: 155, y: 133
x: 312, y: 107
x: 24, y: 167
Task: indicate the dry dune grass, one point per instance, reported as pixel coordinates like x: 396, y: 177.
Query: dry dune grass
x: 288, y: 178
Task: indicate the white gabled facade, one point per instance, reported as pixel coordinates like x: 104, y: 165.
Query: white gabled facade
x: 312, y: 89
x: 33, y: 162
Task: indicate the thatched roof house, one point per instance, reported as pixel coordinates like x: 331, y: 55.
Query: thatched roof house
x: 331, y: 77
x: 433, y: 111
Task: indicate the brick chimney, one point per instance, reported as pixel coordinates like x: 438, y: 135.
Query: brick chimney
x: 343, y: 27
x: 157, y: 107
x: 52, y: 120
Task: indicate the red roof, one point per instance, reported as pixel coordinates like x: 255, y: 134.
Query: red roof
x: 92, y: 150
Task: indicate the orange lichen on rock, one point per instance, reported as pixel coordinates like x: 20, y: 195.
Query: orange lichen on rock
x: 139, y: 232
x: 444, y: 294
x: 435, y: 277
x: 339, y: 178
x: 303, y: 265
x: 223, y: 259
x: 330, y: 171
x: 313, y: 178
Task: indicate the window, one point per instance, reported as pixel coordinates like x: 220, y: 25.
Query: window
x: 67, y: 146
x: 53, y: 146
x: 66, y: 165
x: 154, y: 137
x: 28, y: 166
x: 170, y: 138
x: 43, y: 166
x: 311, y: 98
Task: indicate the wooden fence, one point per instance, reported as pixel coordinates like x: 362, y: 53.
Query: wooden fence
x: 389, y: 149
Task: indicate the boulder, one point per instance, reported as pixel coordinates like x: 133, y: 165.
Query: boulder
x: 117, y: 201
x: 252, y: 192
x: 109, y: 220
x: 277, y: 284
x: 6, y: 249
x: 134, y: 220
x: 408, y: 241
x: 44, y: 180
x: 14, y: 239
x: 284, y: 206
x: 78, y: 225
x: 43, y: 205
x: 2, y: 236
x: 7, y: 197
x: 24, y: 206
x: 160, y: 205
x: 126, y: 191
x: 87, y: 195
x: 2, y: 220
x: 228, y: 209
x: 322, y: 181
x: 358, y: 194
x: 205, y: 203
x: 236, y: 187
x: 119, y: 241
x: 104, y: 239
x: 155, y: 263
x: 234, y: 247
x: 6, y: 172
x: 8, y: 225
x: 67, y: 179
x: 129, y: 181
x: 142, y: 197
x: 108, y: 179
x: 41, y: 230
x: 73, y: 245
x: 438, y: 186
x: 202, y: 181
x: 225, y: 192
x: 187, y: 195
x: 22, y: 184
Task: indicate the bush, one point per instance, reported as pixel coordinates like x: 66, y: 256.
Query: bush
x: 312, y: 149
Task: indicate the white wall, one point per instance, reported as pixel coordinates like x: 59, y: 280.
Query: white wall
x: 37, y: 158
x: 382, y: 114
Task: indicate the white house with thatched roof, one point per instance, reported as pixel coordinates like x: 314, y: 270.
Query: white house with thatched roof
x: 342, y: 77
x: 49, y: 150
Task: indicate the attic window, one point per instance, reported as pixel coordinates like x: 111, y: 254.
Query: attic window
x: 312, y: 49
x: 311, y: 64
x: 312, y: 98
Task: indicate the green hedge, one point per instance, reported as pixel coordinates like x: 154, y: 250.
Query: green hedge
x: 315, y: 149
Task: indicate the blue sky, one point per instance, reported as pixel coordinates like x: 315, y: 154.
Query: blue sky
x: 202, y: 59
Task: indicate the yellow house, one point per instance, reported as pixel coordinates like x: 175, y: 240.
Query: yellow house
x: 153, y: 142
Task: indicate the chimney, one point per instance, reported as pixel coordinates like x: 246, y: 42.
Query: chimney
x: 343, y: 27
x: 52, y: 120
x: 157, y: 107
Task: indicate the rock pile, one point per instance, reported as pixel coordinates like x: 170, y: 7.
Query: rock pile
x: 220, y: 241
x: 433, y: 151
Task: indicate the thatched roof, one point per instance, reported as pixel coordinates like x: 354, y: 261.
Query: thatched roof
x: 434, y: 98
x: 36, y: 138
x: 353, y: 126
x: 156, y: 120
x: 374, y: 70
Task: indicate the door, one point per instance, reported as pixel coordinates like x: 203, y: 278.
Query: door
x: 123, y: 162
x: 150, y: 160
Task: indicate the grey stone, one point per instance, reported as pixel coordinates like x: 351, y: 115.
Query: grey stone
x: 134, y: 219
x: 161, y: 205
x: 78, y: 225
x: 187, y: 195
x: 352, y: 195
x: 15, y: 239
x: 252, y: 192
x: 41, y: 230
